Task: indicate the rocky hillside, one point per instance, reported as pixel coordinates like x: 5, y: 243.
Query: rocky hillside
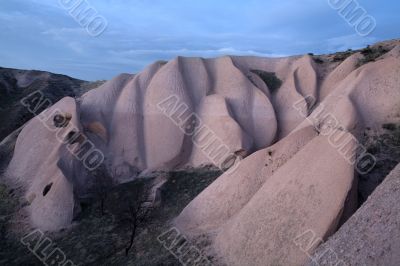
x: 16, y: 84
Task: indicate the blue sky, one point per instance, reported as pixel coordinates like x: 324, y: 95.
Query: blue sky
x: 40, y: 34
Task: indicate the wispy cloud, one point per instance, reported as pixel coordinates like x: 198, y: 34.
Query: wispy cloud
x: 193, y: 52
x: 352, y: 41
x: 39, y: 34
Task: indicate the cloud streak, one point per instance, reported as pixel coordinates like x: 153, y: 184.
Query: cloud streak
x: 41, y: 34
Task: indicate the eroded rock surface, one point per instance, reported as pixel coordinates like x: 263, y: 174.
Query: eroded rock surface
x: 190, y: 112
x: 372, y: 235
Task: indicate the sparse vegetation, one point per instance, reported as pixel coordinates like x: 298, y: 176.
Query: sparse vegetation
x: 371, y: 54
x: 103, y: 239
x: 318, y: 60
x: 385, y: 147
x: 138, y: 211
x: 6, y: 149
x: 269, y: 78
x: 7, y: 201
x: 8, y: 204
x: 341, y: 56
x: 389, y: 126
x: 101, y: 185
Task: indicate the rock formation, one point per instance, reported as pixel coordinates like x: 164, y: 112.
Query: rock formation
x: 372, y: 235
x: 298, y: 118
x: 303, y: 183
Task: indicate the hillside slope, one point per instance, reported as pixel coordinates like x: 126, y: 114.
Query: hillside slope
x: 16, y: 84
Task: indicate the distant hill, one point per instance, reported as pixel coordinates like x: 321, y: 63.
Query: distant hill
x: 16, y: 84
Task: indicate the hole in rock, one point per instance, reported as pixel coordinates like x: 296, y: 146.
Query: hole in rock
x: 47, y: 189
x: 72, y: 137
x: 61, y: 120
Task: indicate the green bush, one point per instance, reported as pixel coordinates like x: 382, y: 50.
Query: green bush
x: 371, y: 54
x: 341, y: 56
x: 318, y: 60
x: 269, y: 78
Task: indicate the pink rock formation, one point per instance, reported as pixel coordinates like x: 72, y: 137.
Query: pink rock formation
x: 307, y: 193
x: 255, y: 214
x: 34, y: 166
x: 298, y: 119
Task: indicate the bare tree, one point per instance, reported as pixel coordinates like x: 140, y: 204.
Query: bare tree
x: 138, y: 210
x: 102, y: 184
